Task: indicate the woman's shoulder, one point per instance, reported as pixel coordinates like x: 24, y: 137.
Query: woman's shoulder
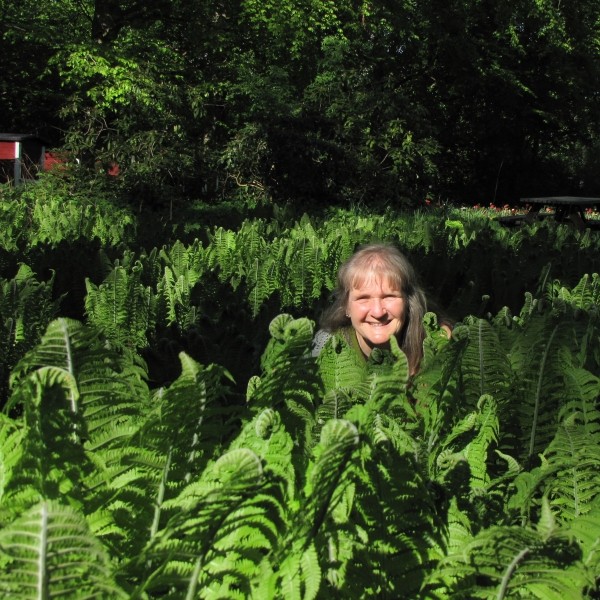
x: 319, y: 340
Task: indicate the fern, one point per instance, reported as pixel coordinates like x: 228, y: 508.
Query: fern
x: 327, y: 480
x: 81, y: 403
x: 285, y: 360
x: 504, y: 562
x: 184, y: 431
x: 213, y: 541
x: 49, y: 552
x: 76, y: 356
x: 574, y: 458
x: 26, y: 308
x: 122, y: 307
x: 11, y: 450
x: 485, y: 368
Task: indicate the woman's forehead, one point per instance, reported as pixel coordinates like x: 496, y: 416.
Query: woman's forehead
x: 372, y: 277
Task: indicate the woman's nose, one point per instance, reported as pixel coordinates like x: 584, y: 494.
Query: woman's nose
x: 377, y: 308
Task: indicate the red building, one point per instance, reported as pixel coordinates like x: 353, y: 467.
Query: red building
x: 22, y: 156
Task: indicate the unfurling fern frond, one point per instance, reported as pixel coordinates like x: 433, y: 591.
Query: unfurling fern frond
x: 289, y: 380
x: 74, y: 354
x: 266, y: 436
x: 80, y: 402
x: 49, y: 552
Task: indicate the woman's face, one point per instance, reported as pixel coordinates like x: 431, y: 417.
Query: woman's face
x: 377, y: 311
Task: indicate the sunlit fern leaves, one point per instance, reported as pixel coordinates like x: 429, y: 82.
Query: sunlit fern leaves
x: 175, y: 291
x: 303, y: 260
x: 220, y: 529
x: 122, y: 307
x: 477, y: 451
x: 189, y: 261
x: 289, y: 380
x: 376, y: 542
x: 586, y: 530
x: 540, y: 562
x: 11, y: 450
x: 581, y: 392
x: 222, y: 256
x: 80, y: 401
x: 261, y: 280
x: 49, y: 552
x: 52, y: 462
x: 183, y: 268
x: 485, y: 368
x: 187, y: 426
x: 328, y: 478
x: 584, y: 295
x: 341, y: 369
x: 266, y: 436
x: 102, y: 385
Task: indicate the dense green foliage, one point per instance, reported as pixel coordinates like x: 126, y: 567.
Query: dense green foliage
x: 165, y: 430
x: 315, y: 101
x: 177, y: 438
x: 477, y: 480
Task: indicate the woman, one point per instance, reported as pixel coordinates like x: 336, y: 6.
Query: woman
x: 377, y: 296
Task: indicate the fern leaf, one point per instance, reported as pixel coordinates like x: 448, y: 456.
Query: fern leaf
x: 49, y: 552
x: 504, y: 561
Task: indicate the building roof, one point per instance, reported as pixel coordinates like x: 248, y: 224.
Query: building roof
x: 20, y: 137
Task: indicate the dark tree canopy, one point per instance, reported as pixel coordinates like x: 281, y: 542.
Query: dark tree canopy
x: 316, y: 102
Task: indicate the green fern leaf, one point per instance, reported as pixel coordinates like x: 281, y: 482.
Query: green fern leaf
x: 49, y: 552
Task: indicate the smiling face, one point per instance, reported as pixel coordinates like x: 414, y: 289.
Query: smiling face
x: 376, y: 308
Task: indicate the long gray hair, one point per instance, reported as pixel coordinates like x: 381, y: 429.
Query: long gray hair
x: 382, y: 262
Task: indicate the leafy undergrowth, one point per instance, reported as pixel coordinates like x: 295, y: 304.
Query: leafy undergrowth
x: 478, y: 479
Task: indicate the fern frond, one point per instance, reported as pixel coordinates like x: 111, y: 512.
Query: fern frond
x: 26, y: 308
x: 537, y: 360
x: 289, y: 381
x: 11, y: 450
x: 575, y: 455
x: 185, y: 430
x: 485, y: 368
x: 266, y: 436
x: 504, y: 561
x: 217, y: 536
x: 122, y: 307
x: 76, y: 355
x: 49, y: 552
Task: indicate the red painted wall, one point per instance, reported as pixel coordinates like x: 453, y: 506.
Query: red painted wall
x: 8, y: 150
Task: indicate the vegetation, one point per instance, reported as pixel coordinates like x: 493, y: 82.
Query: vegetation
x: 165, y: 431
x: 314, y: 102
x: 176, y: 439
